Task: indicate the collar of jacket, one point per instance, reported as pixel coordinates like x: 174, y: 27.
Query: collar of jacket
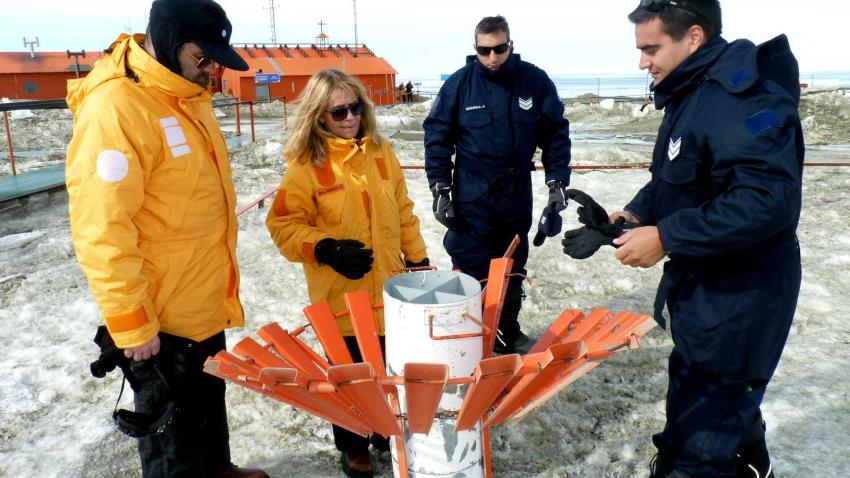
x: 127, y: 55
x: 346, y: 148
x: 685, y: 77
x: 507, y: 67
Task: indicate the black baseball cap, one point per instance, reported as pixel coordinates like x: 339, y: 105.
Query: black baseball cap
x: 203, y: 22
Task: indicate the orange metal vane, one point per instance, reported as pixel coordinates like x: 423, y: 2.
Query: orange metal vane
x: 357, y: 383
x: 424, y: 384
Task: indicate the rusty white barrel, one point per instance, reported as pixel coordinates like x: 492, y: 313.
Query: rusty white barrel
x: 423, y: 314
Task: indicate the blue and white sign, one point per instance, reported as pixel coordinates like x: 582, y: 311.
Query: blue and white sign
x: 262, y: 78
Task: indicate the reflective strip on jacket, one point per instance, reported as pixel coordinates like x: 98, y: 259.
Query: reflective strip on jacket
x: 361, y: 194
x: 151, y: 200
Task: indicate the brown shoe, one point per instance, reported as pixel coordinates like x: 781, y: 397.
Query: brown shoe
x: 233, y: 471
x: 357, y: 464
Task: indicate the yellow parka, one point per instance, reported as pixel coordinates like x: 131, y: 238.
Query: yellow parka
x: 151, y: 200
x: 361, y: 194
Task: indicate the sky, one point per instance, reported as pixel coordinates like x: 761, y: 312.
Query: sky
x: 429, y: 38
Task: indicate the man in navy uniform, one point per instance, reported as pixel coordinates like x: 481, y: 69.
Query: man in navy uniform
x: 492, y: 115
x: 723, y: 205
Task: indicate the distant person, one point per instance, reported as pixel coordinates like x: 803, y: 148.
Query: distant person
x: 723, y: 206
x: 343, y: 211
x: 492, y: 115
x: 401, y: 94
x: 409, y: 89
x: 152, y: 220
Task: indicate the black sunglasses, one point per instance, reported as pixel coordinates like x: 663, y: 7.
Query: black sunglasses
x: 202, y: 62
x: 656, y: 6
x: 341, y: 112
x: 499, y: 49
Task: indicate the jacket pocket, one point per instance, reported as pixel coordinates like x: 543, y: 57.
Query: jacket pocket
x: 331, y: 206
x: 520, y: 115
x: 680, y: 172
x: 475, y: 118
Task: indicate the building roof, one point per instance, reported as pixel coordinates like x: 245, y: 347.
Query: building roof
x: 45, y: 62
x: 305, y: 60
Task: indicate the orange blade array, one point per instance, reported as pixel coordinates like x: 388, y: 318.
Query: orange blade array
x: 424, y: 384
x: 548, y: 364
x: 289, y: 386
x: 491, y: 376
x: 358, y: 384
x: 494, y: 299
x: 288, y: 348
x: 602, y: 336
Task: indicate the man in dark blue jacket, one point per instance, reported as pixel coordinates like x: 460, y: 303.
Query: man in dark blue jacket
x: 723, y: 205
x: 492, y: 115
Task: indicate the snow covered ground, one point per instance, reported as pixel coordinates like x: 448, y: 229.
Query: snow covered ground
x: 55, y: 417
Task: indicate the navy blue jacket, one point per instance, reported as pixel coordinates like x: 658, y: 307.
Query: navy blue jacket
x: 726, y: 194
x: 493, y: 122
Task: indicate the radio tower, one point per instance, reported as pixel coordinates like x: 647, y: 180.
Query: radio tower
x: 270, y: 8
x: 355, y: 27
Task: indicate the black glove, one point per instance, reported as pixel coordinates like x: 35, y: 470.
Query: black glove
x: 590, y: 213
x: 442, y: 207
x: 423, y: 263
x: 346, y: 256
x: 550, y: 221
x: 583, y: 242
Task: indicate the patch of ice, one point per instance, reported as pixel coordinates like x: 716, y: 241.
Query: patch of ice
x: 607, y: 104
x: 16, y: 241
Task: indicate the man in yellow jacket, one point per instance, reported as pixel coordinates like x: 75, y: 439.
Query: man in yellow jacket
x: 152, y: 205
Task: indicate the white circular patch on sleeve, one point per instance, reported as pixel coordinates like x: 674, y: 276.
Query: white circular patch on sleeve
x: 112, y: 166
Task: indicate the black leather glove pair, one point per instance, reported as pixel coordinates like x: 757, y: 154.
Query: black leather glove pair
x: 442, y: 206
x: 346, y: 256
x: 583, y: 242
x: 423, y: 263
x: 550, y: 221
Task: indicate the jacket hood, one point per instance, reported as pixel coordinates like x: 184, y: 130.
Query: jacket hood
x: 744, y: 63
x: 127, y: 58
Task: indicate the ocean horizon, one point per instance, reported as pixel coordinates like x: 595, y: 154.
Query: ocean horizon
x: 628, y: 85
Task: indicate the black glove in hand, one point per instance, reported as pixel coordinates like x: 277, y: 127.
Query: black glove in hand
x: 346, y: 256
x: 442, y: 207
x: 590, y: 213
x: 423, y: 263
x: 550, y: 221
x: 583, y: 242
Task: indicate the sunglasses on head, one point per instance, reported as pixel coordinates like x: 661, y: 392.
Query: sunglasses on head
x: 499, y: 49
x: 656, y: 6
x: 341, y: 112
x: 202, y: 62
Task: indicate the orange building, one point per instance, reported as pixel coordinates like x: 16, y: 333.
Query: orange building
x: 42, y: 75
x: 275, y: 71
x: 282, y: 70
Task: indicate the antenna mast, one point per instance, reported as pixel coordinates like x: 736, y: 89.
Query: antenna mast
x: 31, y: 45
x: 270, y: 8
x: 355, y: 27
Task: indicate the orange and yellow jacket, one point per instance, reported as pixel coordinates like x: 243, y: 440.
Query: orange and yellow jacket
x: 151, y: 200
x: 361, y: 194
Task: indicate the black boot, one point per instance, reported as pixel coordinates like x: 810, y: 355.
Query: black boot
x: 510, y: 338
x: 753, y: 461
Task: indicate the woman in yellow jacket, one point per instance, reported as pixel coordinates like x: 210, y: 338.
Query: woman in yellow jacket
x: 342, y: 210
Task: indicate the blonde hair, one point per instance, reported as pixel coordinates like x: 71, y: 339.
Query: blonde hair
x: 308, y: 140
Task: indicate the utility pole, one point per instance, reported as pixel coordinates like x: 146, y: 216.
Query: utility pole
x: 31, y: 45
x: 355, y: 27
x: 272, y: 26
x: 76, y: 55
